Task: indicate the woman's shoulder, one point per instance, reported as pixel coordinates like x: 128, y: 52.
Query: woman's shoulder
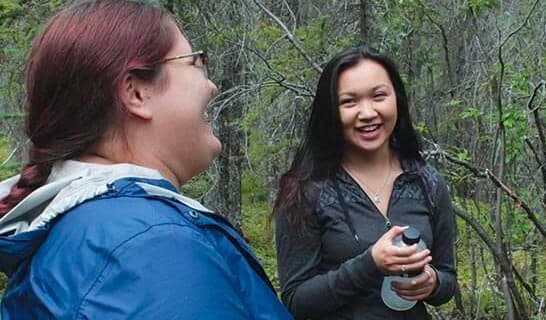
x: 326, y: 193
x: 432, y: 176
x: 123, y: 213
x: 430, y: 172
x: 97, y: 230
x: 433, y: 182
x: 97, y: 247
x: 107, y: 223
x: 427, y: 171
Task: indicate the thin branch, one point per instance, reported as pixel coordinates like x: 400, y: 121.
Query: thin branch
x: 13, y: 152
x: 502, y: 69
x: 538, y: 121
x: 531, y: 11
x: 299, y: 89
x: 483, y: 173
x: 534, y: 152
x: 445, y: 46
x: 504, y: 263
x: 525, y: 285
x: 482, y: 234
x: 290, y: 36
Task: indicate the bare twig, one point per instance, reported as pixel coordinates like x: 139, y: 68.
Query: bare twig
x: 540, y: 129
x: 510, y: 304
x: 487, y: 173
x: 523, y: 24
x: 502, y: 68
x: 279, y: 78
x: 482, y: 234
x: 445, y: 47
x: 504, y: 263
x: 290, y: 36
x: 13, y: 152
x: 525, y: 285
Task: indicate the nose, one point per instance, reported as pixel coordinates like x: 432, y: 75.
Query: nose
x: 214, y: 88
x: 366, y: 111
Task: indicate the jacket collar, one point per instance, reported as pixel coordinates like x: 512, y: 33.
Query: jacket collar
x: 410, y: 170
x: 24, y: 228
x: 73, y: 182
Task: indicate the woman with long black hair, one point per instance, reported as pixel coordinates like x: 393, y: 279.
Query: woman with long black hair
x: 356, y: 183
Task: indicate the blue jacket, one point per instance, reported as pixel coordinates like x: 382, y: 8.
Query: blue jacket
x: 129, y: 248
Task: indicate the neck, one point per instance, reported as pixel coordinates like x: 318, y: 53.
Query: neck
x: 374, y: 161
x: 122, y: 153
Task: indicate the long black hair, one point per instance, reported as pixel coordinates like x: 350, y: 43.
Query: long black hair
x: 320, y: 152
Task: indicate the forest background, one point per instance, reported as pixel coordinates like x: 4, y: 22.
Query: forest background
x: 475, y: 74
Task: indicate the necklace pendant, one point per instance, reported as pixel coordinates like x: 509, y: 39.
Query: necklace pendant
x: 376, y: 199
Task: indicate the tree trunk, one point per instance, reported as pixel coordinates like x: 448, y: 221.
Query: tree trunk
x: 365, y: 24
x: 228, y: 196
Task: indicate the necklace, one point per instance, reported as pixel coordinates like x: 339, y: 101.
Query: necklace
x: 375, y: 196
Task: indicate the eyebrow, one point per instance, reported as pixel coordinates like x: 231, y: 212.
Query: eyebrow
x: 382, y: 85
x: 351, y: 92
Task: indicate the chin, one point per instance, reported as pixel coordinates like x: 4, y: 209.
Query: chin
x: 369, y: 148
x: 216, y: 147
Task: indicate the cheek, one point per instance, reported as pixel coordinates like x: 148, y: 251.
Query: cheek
x: 345, y: 117
x: 394, y: 109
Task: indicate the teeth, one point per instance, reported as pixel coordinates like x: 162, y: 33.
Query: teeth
x: 369, y: 128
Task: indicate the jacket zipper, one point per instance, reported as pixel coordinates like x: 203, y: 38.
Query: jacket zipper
x: 388, y: 223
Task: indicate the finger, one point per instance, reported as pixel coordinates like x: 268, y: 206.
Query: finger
x: 400, y: 265
x: 394, y: 232
x: 415, y: 297
x: 419, y: 281
x: 418, y: 256
x: 431, y: 273
x: 408, y: 255
x: 403, y: 252
x: 403, y: 266
x: 414, y: 292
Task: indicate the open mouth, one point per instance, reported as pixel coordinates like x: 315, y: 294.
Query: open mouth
x: 369, y: 128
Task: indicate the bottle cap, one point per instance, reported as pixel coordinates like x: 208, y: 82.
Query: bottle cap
x: 411, y: 236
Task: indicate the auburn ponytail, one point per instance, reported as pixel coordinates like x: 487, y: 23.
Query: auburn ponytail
x: 32, y: 177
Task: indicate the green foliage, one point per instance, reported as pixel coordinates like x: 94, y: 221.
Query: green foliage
x: 266, y: 35
x: 256, y: 222
x: 3, y: 283
x: 479, y: 6
x: 472, y: 114
x: 454, y: 103
x: 421, y: 128
x: 6, y: 170
x: 10, y: 167
x: 198, y: 186
x: 9, y: 10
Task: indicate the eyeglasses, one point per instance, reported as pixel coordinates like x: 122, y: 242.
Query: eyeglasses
x: 200, y: 60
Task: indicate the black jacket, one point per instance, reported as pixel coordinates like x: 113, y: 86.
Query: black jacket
x: 328, y: 273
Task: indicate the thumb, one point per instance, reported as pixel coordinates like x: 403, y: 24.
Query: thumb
x: 395, y: 231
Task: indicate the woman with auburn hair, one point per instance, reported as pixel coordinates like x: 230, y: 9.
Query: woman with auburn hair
x: 94, y: 226
x: 355, y: 184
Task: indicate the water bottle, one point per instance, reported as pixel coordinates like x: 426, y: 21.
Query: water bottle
x: 410, y: 237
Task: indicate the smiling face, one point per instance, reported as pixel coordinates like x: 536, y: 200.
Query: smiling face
x: 367, y: 107
x: 184, y: 140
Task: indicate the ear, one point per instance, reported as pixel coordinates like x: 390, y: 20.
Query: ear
x: 134, y: 96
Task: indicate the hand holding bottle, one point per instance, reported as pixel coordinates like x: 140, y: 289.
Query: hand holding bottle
x: 420, y: 287
x: 409, y: 277
x: 394, y: 260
